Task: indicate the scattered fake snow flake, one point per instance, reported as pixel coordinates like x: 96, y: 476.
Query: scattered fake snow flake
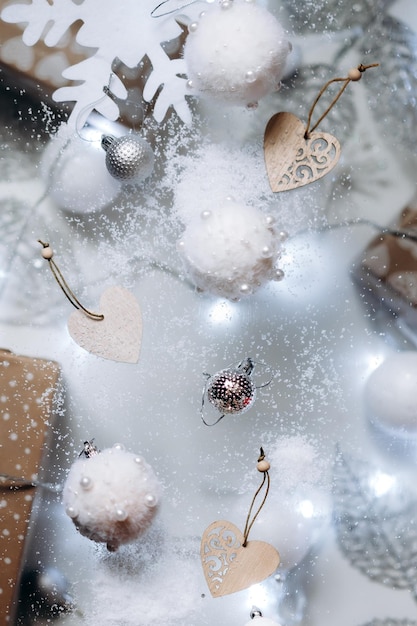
x: 126, y: 589
x: 298, y: 463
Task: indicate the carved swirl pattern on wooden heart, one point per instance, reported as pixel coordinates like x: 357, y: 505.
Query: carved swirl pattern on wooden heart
x: 218, y: 550
x: 293, y: 160
x: 228, y: 565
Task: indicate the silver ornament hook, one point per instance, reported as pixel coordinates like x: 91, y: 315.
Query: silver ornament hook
x: 89, y: 107
x: 255, y: 612
x: 89, y: 449
x: 161, y: 4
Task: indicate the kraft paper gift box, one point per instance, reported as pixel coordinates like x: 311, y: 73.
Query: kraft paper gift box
x: 27, y: 387
x: 386, y: 271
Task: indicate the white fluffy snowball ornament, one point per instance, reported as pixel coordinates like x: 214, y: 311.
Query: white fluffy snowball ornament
x: 259, y: 620
x: 111, y: 496
x: 235, y: 53
x: 231, y: 250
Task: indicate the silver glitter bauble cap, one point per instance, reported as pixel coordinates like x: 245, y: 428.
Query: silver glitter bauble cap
x: 128, y: 158
x: 231, y: 391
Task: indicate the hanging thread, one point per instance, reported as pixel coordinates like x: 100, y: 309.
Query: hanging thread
x: 47, y: 254
x: 161, y: 4
x: 262, y: 466
x: 354, y: 75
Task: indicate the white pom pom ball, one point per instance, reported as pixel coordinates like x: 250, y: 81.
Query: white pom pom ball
x: 390, y: 393
x: 231, y: 250
x: 235, y: 53
x: 111, y: 497
x: 76, y: 176
x: 259, y: 620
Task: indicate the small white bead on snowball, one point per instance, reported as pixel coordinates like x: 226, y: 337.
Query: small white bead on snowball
x: 112, y: 497
x: 390, y: 393
x: 231, y: 250
x: 235, y: 53
x: 75, y: 173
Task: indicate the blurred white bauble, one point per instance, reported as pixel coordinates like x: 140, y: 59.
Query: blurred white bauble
x: 235, y: 53
x: 231, y: 250
x: 112, y: 497
x: 390, y: 393
x: 75, y: 173
x: 293, y: 525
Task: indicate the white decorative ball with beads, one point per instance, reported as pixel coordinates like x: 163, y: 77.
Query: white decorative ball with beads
x: 259, y: 620
x: 231, y: 250
x: 236, y: 53
x: 112, y: 497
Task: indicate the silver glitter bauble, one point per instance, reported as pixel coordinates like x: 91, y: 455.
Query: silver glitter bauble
x: 128, y: 158
x: 231, y: 390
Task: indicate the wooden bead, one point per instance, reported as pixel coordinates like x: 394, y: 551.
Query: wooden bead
x: 263, y: 466
x: 354, y: 74
x: 47, y: 253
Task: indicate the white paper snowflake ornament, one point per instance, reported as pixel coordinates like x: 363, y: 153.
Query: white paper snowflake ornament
x: 231, y: 250
x: 112, y: 496
x: 235, y: 53
x: 126, y: 31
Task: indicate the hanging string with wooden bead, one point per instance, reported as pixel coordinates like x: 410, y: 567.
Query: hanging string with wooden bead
x: 354, y: 74
x: 262, y: 466
x: 48, y: 254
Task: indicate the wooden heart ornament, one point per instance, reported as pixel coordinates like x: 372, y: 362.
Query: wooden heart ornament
x: 228, y: 565
x: 118, y: 336
x: 293, y: 160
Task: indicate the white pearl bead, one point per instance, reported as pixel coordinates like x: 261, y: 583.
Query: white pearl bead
x: 118, y: 446
x: 86, y: 483
x: 193, y: 27
x: 244, y: 288
x: 205, y: 215
x: 266, y: 252
x: 190, y: 84
x: 250, y: 76
x: 278, y: 275
x: 121, y: 515
x: 71, y: 511
x: 138, y: 460
x: 150, y: 500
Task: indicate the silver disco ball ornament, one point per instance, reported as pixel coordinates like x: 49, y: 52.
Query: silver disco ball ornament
x: 128, y: 158
x: 232, y: 391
